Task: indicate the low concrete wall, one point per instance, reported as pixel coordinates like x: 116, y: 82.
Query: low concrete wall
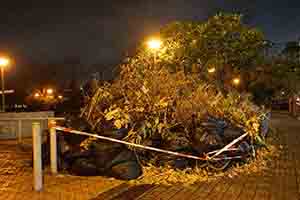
x: 9, y: 128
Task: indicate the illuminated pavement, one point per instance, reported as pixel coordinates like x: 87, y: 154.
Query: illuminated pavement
x: 16, y: 180
x: 280, y: 181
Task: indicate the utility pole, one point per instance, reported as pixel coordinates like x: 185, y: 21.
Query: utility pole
x: 4, y: 62
x: 3, y: 95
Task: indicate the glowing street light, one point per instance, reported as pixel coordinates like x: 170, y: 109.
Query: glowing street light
x: 236, y: 81
x: 211, y: 70
x: 60, y: 96
x: 4, y: 62
x: 36, y: 95
x: 154, y: 44
x: 49, y: 91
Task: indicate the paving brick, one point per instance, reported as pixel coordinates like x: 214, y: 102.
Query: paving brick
x: 279, y: 181
x: 16, y: 180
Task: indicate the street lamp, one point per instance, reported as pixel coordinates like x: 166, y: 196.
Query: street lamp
x: 49, y: 91
x: 4, y: 62
x: 236, y: 81
x: 36, y: 95
x: 211, y: 70
x: 154, y: 45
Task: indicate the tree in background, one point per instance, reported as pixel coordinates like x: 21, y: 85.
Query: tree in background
x: 286, y: 69
x: 279, y: 74
x: 222, y: 43
x: 291, y: 52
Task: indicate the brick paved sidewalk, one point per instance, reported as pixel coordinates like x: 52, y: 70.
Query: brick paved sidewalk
x: 279, y: 181
x: 16, y: 180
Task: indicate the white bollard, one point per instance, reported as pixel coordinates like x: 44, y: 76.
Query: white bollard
x: 37, y: 156
x: 19, y: 131
x: 53, y: 148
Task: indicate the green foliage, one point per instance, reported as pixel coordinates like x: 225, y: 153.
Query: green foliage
x: 156, y: 95
x: 291, y: 52
x: 223, y: 42
x: 151, y: 102
x: 286, y: 75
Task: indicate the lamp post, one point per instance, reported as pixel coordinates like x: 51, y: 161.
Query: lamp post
x: 49, y: 91
x: 236, y: 82
x: 154, y: 45
x: 3, y: 63
x: 36, y: 95
x: 211, y: 70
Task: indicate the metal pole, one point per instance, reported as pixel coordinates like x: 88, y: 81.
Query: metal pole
x: 19, y: 131
x: 3, y: 97
x: 37, y: 156
x: 53, y: 148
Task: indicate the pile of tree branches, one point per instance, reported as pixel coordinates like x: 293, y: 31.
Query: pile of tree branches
x: 151, y: 102
x: 177, y: 109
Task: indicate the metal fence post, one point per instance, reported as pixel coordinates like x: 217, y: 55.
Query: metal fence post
x: 19, y: 131
x: 37, y: 156
x: 53, y: 147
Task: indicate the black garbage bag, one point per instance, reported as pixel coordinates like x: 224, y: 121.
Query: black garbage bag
x: 116, y: 134
x: 173, y: 161
x: 180, y: 144
x: 98, y: 157
x: 126, y: 170
x: 123, y: 156
x: 232, y: 133
x: 45, y: 153
x: 77, y: 123
x: 104, y: 152
x: 215, y: 125
x: 123, y: 166
x: 84, y: 167
x: 244, y: 147
x: 206, y: 142
x: 181, y: 163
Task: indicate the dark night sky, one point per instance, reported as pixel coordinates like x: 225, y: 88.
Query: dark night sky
x: 101, y: 31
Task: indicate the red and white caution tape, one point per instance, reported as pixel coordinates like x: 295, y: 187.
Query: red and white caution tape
x: 216, y: 153
x: 68, y: 130
x: 229, y: 145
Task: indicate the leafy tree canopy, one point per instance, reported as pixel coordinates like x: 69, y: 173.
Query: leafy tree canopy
x: 222, y: 42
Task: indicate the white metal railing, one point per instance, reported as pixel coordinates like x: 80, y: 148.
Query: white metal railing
x: 19, y: 135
